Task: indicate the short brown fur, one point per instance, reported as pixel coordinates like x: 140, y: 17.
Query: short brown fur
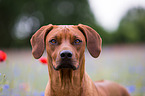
x: 66, y: 81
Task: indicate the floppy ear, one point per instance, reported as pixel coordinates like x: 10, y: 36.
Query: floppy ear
x: 94, y: 40
x: 38, y: 41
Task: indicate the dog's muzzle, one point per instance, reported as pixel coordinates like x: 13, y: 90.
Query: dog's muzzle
x: 66, y: 60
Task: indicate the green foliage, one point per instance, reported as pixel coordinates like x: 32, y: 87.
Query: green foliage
x: 20, y: 19
x: 15, y: 16
x: 132, y: 27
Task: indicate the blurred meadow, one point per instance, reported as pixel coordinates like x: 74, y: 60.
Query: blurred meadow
x: 122, y: 59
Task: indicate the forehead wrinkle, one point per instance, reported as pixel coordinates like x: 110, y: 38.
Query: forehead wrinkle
x: 65, y: 32
x: 76, y: 33
x: 60, y: 33
x: 70, y: 33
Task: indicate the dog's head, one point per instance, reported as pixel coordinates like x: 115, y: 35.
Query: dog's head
x: 65, y: 44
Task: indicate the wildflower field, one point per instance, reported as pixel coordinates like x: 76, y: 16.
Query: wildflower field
x: 22, y: 75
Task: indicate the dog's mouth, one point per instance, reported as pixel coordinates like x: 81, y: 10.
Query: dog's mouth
x: 66, y: 64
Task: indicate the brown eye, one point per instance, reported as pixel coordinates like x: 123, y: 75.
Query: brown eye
x: 53, y: 41
x: 77, y: 41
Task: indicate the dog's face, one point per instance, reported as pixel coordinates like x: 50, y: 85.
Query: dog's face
x: 65, y: 46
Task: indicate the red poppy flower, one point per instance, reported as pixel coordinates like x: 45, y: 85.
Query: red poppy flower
x: 3, y: 56
x: 43, y: 60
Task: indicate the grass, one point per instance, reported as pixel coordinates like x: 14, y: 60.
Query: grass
x: 25, y: 76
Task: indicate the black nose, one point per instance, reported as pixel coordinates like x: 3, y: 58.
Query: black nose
x: 65, y: 54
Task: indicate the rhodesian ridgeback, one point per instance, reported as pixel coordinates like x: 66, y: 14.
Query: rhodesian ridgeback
x: 65, y: 46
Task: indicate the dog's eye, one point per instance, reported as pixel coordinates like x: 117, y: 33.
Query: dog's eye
x: 77, y: 41
x: 53, y: 41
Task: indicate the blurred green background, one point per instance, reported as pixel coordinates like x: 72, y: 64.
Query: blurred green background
x: 122, y: 58
x: 20, y: 19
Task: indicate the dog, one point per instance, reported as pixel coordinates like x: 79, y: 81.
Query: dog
x: 65, y: 47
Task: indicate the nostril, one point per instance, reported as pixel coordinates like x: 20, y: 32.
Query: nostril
x: 69, y: 55
x: 62, y: 54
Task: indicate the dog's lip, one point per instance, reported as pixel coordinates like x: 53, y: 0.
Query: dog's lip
x: 64, y: 65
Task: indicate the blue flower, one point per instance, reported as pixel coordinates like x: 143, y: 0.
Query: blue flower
x: 0, y: 74
x: 6, y: 86
x: 131, y: 88
x: 42, y: 94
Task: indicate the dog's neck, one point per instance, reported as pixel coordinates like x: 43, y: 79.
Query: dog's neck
x: 66, y: 81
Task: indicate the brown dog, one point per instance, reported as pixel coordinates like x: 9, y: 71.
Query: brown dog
x: 65, y: 46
